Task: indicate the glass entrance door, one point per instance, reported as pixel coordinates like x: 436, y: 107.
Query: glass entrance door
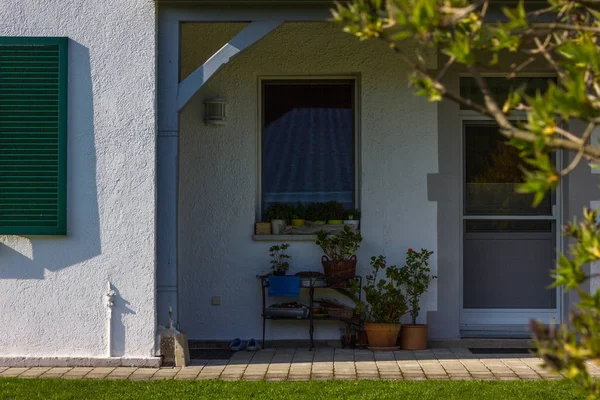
x: 509, y: 247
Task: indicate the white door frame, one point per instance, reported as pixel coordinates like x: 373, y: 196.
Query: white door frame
x: 504, y: 322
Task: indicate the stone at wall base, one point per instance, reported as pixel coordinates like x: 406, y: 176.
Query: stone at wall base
x: 32, y: 361
x: 174, y: 348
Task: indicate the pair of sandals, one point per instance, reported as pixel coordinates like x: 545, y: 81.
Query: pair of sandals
x: 237, y: 344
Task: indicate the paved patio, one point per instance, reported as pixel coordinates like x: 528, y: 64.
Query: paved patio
x: 287, y: 364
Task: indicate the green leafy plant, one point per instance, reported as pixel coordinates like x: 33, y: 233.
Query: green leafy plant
x: 279, y: 258
x: 416, y: 278
x: 352, y: 214
x: 316, y: 212
x: 335, y: 210
x: 340, y: 246
x: 568, y: 349
x: 384, y: 301
x: 279, y: 211
x: 299, y: 211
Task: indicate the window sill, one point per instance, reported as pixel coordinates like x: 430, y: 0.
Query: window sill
x: 284, y: 238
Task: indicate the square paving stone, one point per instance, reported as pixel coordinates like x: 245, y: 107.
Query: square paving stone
x: 12, y: 372
x: 34, y: 372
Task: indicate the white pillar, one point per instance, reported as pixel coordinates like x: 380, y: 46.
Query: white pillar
x: 167, y: 167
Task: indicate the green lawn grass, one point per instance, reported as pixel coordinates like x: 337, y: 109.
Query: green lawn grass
x: 20, y: 388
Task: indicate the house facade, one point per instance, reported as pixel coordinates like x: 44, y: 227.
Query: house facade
x: 154, y: 206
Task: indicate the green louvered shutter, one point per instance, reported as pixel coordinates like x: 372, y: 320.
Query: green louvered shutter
x: 33, y: 136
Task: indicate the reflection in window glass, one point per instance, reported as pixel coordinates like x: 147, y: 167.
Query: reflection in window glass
x: 492, y: 175
x: 308, y: 142
x: 501, y: 86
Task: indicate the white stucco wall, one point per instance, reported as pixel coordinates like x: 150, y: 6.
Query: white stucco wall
x: 219, y: 178
x: 52, y: 290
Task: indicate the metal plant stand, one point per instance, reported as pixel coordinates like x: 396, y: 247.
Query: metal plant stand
x: 340, y: 284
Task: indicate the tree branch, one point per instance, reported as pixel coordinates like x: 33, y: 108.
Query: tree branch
x: 506, y: 128
x: 490, y: 101
x: 579, y: 156
x: 445, y: 69
x: 553, y: 26
x: 542, y: 49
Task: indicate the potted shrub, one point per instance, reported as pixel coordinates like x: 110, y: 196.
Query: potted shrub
x: 416, y: 277
x: 299, y: 215
x: 280, y: 259
x: 278, y: 214
x: 339, y: 260
x: 352, y: 217
x: 383, y: 306
x: 335, y: 213
x: 315, y: 212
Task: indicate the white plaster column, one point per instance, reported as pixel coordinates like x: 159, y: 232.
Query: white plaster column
x: 167, y: 166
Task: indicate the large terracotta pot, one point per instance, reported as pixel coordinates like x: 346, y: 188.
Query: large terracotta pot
x: 413, y: 337
x: 382, y: 335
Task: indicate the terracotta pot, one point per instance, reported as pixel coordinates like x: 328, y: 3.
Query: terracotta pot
x: 413, y: 337
x: 363, y: 340
x: 382, y: 335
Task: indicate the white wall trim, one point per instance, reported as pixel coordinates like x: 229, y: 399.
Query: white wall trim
x: 251, y: 34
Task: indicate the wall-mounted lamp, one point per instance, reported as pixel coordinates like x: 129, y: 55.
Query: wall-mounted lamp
x: 214, y: 111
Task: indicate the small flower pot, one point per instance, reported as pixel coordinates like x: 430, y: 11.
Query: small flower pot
x: 382, y: 336
x: 319, y: 222
x: 277, y: 226
x: 335, y: 222
x: 353, y: 223
x: 298, y: 222
x: 413, y: 337
x: 363, y: 340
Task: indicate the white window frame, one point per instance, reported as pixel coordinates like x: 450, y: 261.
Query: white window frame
x: 501, y: 321
x: 357, y: 129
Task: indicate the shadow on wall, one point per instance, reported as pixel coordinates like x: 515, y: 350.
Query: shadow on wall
x: 120, y: 309
x: 28, y: 257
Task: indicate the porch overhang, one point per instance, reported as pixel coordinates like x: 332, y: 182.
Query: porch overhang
x: 262, y: 16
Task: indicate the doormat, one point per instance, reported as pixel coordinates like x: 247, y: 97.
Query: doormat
x: 210, y: 354
x: 501, y: 350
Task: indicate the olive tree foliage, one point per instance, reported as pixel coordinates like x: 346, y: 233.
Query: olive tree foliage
x: 563, y: 36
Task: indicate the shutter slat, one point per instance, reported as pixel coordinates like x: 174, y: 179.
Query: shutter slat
x: 33, y: 83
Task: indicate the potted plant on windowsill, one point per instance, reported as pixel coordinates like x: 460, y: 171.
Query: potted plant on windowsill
x: 352, y: 218
x: 416, y: 278
x: 299, y: 215
x: 335, y: 213
x: 278, y: 214
x: 383, y: 306
x: 339, y: 260
x: 315, y: 212
x: 280, y: 259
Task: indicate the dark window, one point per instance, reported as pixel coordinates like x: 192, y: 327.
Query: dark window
x: 33, y: 136
x: 492, y: 174
x: 308, y: 142
x: 500, y: 87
